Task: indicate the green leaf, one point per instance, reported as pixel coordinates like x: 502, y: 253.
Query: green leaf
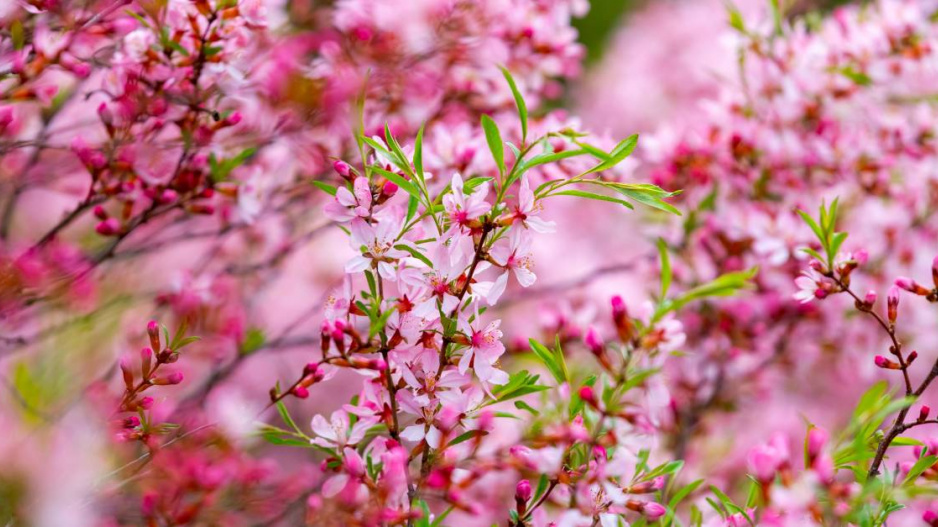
x: 462, y: 438
x: 649, y: 200
x: 622, y: 150
x: 399, y: 180
x: 415, y: 253
x: 665, y: 267
x: 519, y: 102
x: 678, y: 498
x: 594, y: 196
x: 923, y: 464
x: 325, y: 187
x: 494, y: 138
x: 285, y: 415
x: 418, y: 154
x: 378, y: 323
x: 254, y: 340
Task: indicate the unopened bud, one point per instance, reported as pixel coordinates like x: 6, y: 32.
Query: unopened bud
x: 523, y: 491
x: 146, y: 361
x: 593, y: 341
x: 588, y: 396
x: 132, y: 422
x: 892, y: 301
x: 172, y: 378
x: 100, y: 213
x: 885, y: 363
x: 912, y: 357
x: 108, y: 227
x: 923, y: 413
x: 301, y: 392
x: 127, y: 373
x: 931, y: 518
x: 817, y: 438
x: 904, y: 282
x: 342, y: 168
x: 153, y: 331
x: 870, y: 298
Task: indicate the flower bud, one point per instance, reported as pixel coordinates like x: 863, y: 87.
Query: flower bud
x: 127, y: 373
x: 593, y: 341
x: 817, y: 438
x: 153, y: 331
x: 108, y: 227
x: 870, y: 298
x: 892, y: 301
x: 523, y: 491
x: 342, y: 168
x: 652, y: 511
x: 172, y: 378
x: 100, y: 213
x: 588, y: 396
x: 146, y: 403
x: 131, y: 422
x: 904, y: 282
x: 146, y: 360
x: 911, y: 358
x: 931, y: 518
x: 885, y: 363
x: 301, y: 392
x: 923, y: 413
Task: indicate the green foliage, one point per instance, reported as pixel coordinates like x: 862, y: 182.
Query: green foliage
x: 823, y: 229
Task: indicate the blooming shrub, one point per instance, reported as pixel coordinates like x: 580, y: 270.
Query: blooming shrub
x: 325, y: 228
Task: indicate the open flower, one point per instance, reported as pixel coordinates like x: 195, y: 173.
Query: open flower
x: 515, y: 256
x: 528, y: 210
x: 347, y: 206
x: 462, y: 210
x: 336, y: 432
x: 485, y: 348
x: 376, y: 241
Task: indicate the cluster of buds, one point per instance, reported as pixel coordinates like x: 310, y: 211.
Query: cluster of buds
x: 140, y: 427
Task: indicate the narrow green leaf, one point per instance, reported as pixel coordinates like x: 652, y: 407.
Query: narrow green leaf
x: 519, y: 102
x: 494, y: 138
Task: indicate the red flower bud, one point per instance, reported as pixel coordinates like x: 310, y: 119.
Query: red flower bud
x: 153, y: 331
x: 301, y: 392
x: 342, y: 168
x: 108, y: 227
x: 923, y: 413
x: 127, y: 373
x: 523, y: 491
x: 146, y: 361
x: 892, y: 301
x: 885, y: 363
x: 588, y: 396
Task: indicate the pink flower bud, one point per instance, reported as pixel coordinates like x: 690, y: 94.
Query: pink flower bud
x: 923, y: 413
x: 146, y: 360
x: 100, y: 213
x: 618, y: 306
x: 127, y: 373
x: 588, y: 396
x: 904, y: 282
x: 108, y: 227
x: 653, y: 510
x: 911, y: 358
x: 389, y: 188
x: 342, y: 168
x: 146, y: 403
x: 817, y: 438
x: 593, y: 341
x: 885, y: 363
x: 523, y: 491
x: 892, y: 302
x: 870, y: 298
x: 233, y: 119
x: 301, y: 392
x: 931, y: 518
x: 153, y: 331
